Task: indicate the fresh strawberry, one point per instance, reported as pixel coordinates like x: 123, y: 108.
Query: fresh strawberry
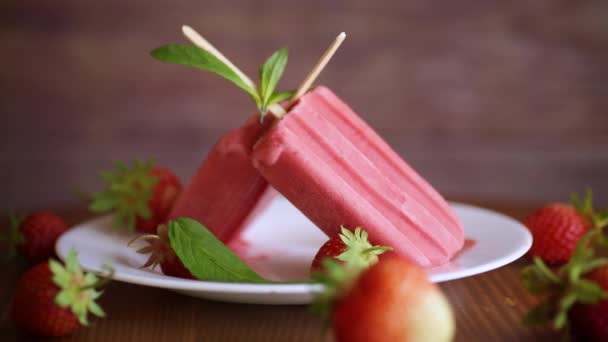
x: 600, y: 277
x: 590, y: 321
x: 140, y: 197
x: 347, y: 246
x: 392, y: 300
x: 161, y: 254
x: 575, y: 294
x: 34, y: 237
x: 53, y: 300
x: 556, y: 228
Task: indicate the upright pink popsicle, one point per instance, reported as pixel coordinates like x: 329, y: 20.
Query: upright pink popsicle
x: 227, y: 191
x: 333, y: 167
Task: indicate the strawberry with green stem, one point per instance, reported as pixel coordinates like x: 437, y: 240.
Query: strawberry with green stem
x: 590, y: 321
x: 140, y: 197
x: 348, y: 247
x: 161, y: 254
x: 54, y: 300
x: 558, y: 227
x: 34, y: 236
x: 577, y: 289
x: 391, y: 300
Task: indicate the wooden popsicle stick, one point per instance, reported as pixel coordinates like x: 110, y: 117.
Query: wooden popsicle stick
x: 314, y: 73
x: 204, y: 44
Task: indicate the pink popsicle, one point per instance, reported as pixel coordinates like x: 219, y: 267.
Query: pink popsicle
x: 333, y: 167
x: 227, y: 191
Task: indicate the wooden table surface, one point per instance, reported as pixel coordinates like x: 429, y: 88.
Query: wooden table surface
x: 488, y: 307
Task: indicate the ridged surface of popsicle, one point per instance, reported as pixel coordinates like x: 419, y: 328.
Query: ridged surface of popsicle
x: 331, y: 165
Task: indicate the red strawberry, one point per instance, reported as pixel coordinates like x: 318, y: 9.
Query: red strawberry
x: 600, y: 276
x: 590, y: 321
x: 35, y: 236
x: 556, y: 229
x: 161, y: 254
x: 393, y: 300
x: 50, y: 299
x: 347, y: 246
x: 164, y: 195
x: 140, y: 197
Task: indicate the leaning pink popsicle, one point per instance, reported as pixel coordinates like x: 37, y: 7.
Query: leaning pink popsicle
x: 227, y: 191
x: 333, y: 167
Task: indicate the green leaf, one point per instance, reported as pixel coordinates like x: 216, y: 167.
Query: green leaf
x: 540, y: 314
x: 13, y: 237
x: 102, y: 203
x: 280, y: 96
x: 561, y: 319
x: 127, y: 193
x: 205, y: 256
x: 270, y: 74
x: 63, y: 299
x: 539, y: 280
x: 196, y: 57
x: 71, y: 264
x: 77, y: 288
x: 588, y: 292
x: 61, y: 277
x: 96, y: 310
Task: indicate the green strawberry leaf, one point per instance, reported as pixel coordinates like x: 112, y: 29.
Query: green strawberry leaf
x: 126, y: 194
x: 561, y: 319
x: 588, y: 292
x: 206, y: 257
x: 540, y: 314
x: 13, y: 237
x: 77, y: 289
x: 360, y: 253
x: 196, y: 57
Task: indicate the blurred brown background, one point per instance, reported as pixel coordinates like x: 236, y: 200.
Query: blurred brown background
x: 488, y: 99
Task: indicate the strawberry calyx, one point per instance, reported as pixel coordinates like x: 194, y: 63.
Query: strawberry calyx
x: 126, y: 194
x: 359, y: 252
x: 563, y: 288
x: 337, y: 277
x: 597, y: 219
x: 78, y: 289
x: 157, y: 246
x: 13, y: 236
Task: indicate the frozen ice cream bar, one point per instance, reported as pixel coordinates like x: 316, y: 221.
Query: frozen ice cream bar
x: 335, y: 169
x: 227, y: 191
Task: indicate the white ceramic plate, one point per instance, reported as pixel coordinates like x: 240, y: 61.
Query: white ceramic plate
x: 280, y: 245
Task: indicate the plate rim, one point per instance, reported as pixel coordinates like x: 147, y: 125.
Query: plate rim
x: 179, y: 284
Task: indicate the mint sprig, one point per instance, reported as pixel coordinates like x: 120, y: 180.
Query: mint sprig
x: 263, y: 95
x: 193, y: 56
x: 206, y: 257
x: 270, y: 74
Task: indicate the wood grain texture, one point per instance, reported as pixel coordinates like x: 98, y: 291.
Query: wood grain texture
x: 487, y: 99
x: 487, y: 307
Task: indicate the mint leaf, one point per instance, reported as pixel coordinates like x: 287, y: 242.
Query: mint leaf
x: 280, y: 96
x: 205, y: 256
x: 270, y: 74
x: 196, y: 57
